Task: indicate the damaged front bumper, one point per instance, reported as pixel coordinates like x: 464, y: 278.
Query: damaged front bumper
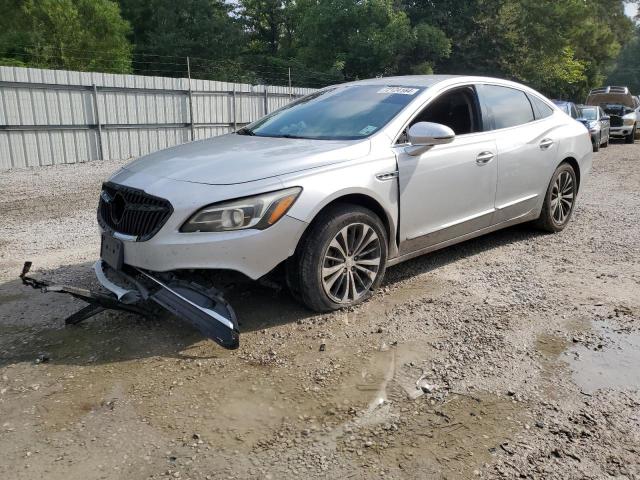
x: 138, y: 291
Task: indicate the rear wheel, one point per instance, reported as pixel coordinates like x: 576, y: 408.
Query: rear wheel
x: 559, y: 200
x: 340, y: 260
x: 596, y: 144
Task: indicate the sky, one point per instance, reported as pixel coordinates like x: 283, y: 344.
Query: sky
x: 631, y: 9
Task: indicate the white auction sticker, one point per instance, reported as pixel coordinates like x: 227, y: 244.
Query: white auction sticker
x: 399, y: 90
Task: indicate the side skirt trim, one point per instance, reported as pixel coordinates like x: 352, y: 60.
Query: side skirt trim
x: 514, y: 221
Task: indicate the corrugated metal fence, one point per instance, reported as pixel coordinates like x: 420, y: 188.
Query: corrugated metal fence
x: 49, y: 117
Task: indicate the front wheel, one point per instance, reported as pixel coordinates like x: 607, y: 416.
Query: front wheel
x: 631, y: 138
x: 340, y: 260
x: 559, y: 200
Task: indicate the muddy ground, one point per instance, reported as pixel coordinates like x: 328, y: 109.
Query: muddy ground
x: 528, y: 345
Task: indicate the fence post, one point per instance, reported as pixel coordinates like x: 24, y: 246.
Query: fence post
x: 193, y: 136
x: 99, y: 125
x: 266, y: 100
x: 233, y: 101
x: 289, y: 83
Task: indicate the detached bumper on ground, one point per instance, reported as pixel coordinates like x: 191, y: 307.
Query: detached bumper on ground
x: 141, y: 292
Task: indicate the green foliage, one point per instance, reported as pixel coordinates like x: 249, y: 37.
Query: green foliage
x: 167, y: 31
x: 68, y: 34
x: 562, y: 48
x: 627, y: 69
x: 365, y: 39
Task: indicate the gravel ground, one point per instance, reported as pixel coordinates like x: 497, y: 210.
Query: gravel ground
x: 527, y: 347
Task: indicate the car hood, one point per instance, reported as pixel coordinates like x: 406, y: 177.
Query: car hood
x: 612, y: 98
x: 232, y: 158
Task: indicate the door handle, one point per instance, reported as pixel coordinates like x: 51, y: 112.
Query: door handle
x: 484, y: 158
x: 546, y: 143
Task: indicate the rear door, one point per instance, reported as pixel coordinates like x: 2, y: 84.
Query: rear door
x: 526, y: 144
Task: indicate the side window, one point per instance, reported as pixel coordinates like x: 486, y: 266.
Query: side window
x: 574, y: 111
x: 457, y: 109
x: 508, y: 107
x: 541, y: 109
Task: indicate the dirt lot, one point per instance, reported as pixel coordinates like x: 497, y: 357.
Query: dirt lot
x: 528, y: 345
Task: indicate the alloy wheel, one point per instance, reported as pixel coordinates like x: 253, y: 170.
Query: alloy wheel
x: 562, y: 197
x: 351, y: 263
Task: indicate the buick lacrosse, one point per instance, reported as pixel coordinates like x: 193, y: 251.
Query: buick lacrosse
x: 336, y: 187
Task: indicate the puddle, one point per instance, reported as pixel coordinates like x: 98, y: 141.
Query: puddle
x: 616, y: 365
x: 605, y: 358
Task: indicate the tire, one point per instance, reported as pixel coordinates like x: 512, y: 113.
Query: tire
x: 318, y: 274
x: 596, y: 145
x: 550, y: 219
x: 631, y: 138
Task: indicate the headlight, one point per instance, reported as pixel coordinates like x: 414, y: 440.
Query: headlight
x: 629, y: 119
x: 259, y: 212
x: 594, y: 125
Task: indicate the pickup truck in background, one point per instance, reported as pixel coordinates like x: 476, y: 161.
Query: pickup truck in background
x: 621, y: 107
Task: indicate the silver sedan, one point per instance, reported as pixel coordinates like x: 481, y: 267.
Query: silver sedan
x: 350, y: 180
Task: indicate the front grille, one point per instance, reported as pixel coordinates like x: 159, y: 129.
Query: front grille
x: 615, y: 121
x: 131, y: 212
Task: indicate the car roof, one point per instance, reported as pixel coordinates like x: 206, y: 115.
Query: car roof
x: 427, y: 81
x: 561, y: 102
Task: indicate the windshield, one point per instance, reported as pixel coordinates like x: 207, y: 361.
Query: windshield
x: 589, y: 113
x: 340, y: 113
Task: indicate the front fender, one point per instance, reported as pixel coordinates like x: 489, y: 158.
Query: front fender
x: 322, y: 187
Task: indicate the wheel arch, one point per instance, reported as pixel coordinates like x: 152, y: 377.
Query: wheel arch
x: 366, y: 201
x: 576, y: 168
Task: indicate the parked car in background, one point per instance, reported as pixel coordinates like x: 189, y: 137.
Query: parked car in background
x: 337, y: 186
x: 622, y: 108
x: 637, y: 101
x: 569, y: 108
x: 598, y: 124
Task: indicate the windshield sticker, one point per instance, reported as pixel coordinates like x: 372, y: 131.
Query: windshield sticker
x: 367, y: 130
x: 399, y: 90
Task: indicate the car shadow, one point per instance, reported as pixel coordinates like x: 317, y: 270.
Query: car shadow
x: 32, y: 323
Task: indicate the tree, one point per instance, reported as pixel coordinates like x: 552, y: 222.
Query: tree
x: 165, y: 32
x: 68, y: 34
x: 627, y: 69
x: 364, y: 39
x: 269, y: 23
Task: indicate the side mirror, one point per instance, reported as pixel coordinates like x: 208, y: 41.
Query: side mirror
x: 424, y: 135
x: 606, y: 118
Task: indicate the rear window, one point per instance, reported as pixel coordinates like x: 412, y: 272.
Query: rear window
x: 541, y: 109
x: 507, y: 106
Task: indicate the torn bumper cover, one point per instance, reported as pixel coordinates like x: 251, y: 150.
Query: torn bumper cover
x: 138, y: 291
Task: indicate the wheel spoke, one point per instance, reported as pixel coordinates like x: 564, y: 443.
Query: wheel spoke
x: 361, y: 236
x: 368, y: 261
x: 327, y: 271
x: 331, y: 279
x: 368, y: 251
x: 370, y: 273
x: 347, y: 287
x: 336, y: 245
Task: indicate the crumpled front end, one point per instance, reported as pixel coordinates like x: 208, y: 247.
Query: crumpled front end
x: 137, y: 291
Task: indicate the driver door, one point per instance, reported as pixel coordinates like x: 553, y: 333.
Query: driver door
x: 449, y: 190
